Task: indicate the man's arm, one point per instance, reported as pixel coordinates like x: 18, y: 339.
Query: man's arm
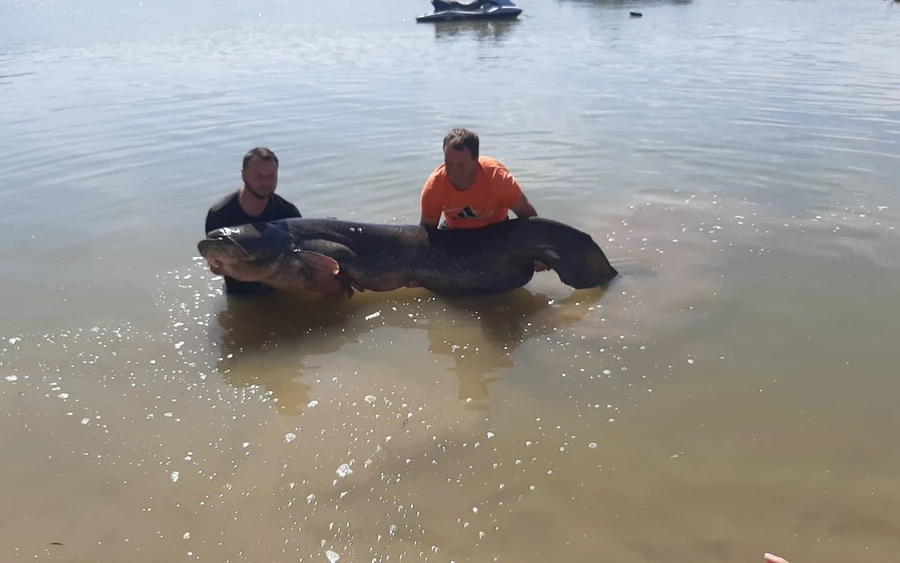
x: 210, y: 226
x: 516, y: 200
x: 514, y: 197
x: 429, y: 205
x: 427, y: 221
x: 523, y: 208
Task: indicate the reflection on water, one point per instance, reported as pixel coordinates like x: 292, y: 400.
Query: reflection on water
x: 269, y: 341
x: 504, y: 323
x: 482, y: 31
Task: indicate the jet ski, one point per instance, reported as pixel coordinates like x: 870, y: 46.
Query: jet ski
x: 456, y: 10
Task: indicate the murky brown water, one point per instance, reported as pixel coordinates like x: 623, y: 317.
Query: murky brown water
x: 730, y: 394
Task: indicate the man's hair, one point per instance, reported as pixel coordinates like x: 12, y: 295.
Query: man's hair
x: 459, y: 139
x: 261, y: 152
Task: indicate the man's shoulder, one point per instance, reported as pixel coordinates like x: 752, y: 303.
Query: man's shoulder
x: 281, y: 200
x: 224, y: 202
x: 494, y: 169
x: 492, y: 165
x: 283, y: 209
x: 436, y: 179
x: 222, y: 212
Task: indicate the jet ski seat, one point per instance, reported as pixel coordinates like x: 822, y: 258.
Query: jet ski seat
x: 441, y: 5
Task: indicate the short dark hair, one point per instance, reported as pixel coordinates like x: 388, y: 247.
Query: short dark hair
x: 459, y: 139
x: 262, y: 152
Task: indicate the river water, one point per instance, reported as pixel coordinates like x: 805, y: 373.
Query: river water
x: 732, y: 393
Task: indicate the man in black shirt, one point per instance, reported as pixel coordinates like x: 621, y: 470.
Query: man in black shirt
x: 256, y: 201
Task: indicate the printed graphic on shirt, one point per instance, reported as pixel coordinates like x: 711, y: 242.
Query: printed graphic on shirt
x: 467, y: 212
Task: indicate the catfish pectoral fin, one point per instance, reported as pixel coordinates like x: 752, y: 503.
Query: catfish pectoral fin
x: 320, y: 268
x: 318, y: 272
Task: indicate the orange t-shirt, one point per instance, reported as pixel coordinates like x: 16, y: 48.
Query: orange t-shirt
x: 488, y: 200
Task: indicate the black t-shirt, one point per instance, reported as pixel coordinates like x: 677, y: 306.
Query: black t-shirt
x: 227, y: 212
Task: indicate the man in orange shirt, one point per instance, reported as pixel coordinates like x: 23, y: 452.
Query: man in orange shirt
x: 471, y: 190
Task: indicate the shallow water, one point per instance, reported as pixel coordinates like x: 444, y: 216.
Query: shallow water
x: 730, y: 394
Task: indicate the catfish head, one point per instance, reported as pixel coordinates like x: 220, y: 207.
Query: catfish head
x: 251, y: 253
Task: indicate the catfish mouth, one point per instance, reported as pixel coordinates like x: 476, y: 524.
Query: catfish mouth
x: 241, y: 254
x: 218, y: 245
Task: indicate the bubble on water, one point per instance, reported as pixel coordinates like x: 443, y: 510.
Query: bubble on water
x: 490, y: 434
x: 174, y: 476
x: 332, y: 556
x: 63, y: 395
x: 187, y: 535
x: 12, y: 378
x: 312, y: 403
x: 289, y: 437
x: 370, y: 399
x: 85, y: 420
x: 592, y: 445
x: 344, y: 470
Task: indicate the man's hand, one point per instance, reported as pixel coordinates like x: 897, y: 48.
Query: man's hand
x: 540, y: 267
x: 431, y: 222
x: 774, y: 559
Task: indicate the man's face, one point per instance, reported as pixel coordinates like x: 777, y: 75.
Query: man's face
x: 260, y: 177
x: 461, y: 167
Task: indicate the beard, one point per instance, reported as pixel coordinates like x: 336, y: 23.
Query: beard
x: 255, y: 193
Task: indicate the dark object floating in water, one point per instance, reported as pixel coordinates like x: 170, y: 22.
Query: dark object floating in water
x: 456, y: 10
x: 55, y: 543
x: 636, y: 14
